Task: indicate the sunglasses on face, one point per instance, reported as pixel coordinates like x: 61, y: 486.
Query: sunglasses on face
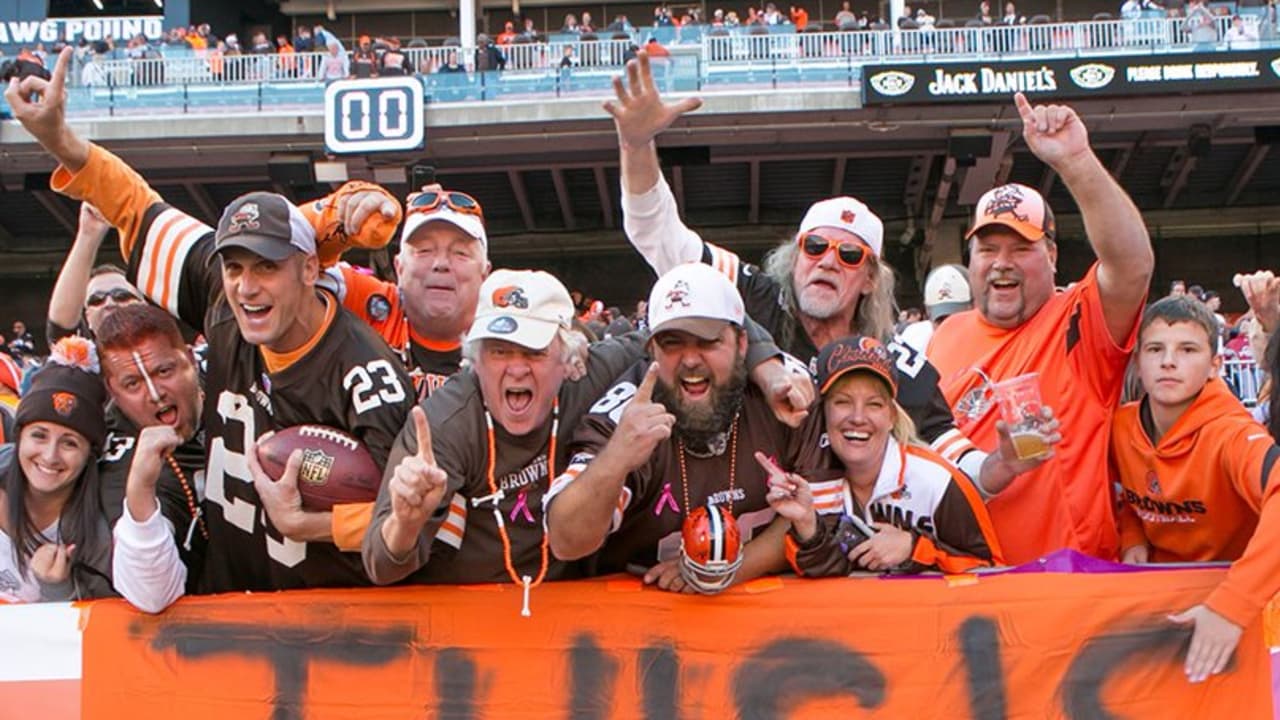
x: 432, y: 199
x: 119, y: 295
x: 850, y: 254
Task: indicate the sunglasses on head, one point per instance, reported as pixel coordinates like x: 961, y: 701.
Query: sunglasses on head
x: 850, y: 254
x: 430, y: 200
x: 119, y: 295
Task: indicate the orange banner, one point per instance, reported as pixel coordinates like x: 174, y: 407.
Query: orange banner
x: 1038, y: 645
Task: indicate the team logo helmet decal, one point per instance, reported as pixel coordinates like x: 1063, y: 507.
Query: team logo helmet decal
x: 246, y: 218
x: 678, y: 295
x: 64, y: 403
x: 1005, y: 200
x: 510, y: 296
x: 710, y: 548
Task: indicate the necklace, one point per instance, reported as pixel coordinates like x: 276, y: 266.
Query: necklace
x: 196, y: 516
x: 733, y: 465
x: 496, y: 495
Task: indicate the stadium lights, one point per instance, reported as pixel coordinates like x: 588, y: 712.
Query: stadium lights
x: 97, y: 4
x: 160, y: 4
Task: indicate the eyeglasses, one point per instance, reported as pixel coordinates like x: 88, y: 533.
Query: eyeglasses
x: 119, y: 295
x: 850, y: 254
x: 430, y: 200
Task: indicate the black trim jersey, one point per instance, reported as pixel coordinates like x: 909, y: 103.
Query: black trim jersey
x: 651, y: 510
x: 461, y: 544
x: 113, y: 474
x: 350, y: 380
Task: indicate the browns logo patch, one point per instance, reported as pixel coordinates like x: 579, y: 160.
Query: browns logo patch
x: 64, y: 403
x: 510, y: 296
x: 1005, y: 201
x: 847, y: 216
x: 246, y: 218
x: 678, y: 295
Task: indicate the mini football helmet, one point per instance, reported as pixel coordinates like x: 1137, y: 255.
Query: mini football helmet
x: 710, y: 549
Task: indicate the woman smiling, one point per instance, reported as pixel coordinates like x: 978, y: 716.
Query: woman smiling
x: 53, y: 539
x: 897, y: 506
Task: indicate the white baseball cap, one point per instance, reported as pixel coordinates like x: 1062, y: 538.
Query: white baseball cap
x: 470, y: 224
x: 849, y: 214
x: 946, y: 291
x: 525, y: 307
x: 694, y: 298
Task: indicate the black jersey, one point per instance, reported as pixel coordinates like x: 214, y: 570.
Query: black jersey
x: 462, y: 543
x: 349, y: 380
x: 178, y: 496
x: 656, y: 497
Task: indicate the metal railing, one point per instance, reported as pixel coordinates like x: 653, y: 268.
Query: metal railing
x: 1244, y: 378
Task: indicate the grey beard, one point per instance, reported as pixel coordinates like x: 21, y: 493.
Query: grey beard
x: 704, y: 430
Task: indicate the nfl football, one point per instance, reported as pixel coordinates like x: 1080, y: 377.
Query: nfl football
x: 336, y: 467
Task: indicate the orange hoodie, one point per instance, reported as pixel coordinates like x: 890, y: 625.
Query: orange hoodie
x: 1204, y: 492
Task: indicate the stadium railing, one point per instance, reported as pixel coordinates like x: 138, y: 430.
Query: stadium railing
x: 702, y: 58
x: 1244, y: 378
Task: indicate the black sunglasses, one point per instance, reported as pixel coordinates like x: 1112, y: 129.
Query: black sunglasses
x: 850, y: 254
x: 119, y: 295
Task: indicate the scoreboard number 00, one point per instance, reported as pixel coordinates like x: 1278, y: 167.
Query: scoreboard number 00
x: 373, y: 115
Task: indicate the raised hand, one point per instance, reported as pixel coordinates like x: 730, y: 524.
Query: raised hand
x: 790, y: 393
x: 644, y: 424
x: 93, y: 227
x: 1054, y: 133
x: 41, y: 106
x: 639, y: 113
x: 1262, y: 291
x: 790, y: 497
x: 418, y: 484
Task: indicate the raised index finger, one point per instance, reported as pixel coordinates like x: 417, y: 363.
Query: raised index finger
x: 59, y: 79
x: 644, y: 393
x: 1025, y: 110
x: 423, y: 429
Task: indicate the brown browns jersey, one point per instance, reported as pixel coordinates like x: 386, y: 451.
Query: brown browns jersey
x: 349, y: 379
x: 461, y: 543
x: 656, y: 497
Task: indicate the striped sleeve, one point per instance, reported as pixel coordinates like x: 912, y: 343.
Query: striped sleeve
x: 159, y: 265
x: 828, y: 496
x: 725, y: 262
x: 454, y: 527
x: 167, y: 250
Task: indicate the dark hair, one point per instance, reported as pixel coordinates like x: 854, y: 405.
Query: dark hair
x: 1196, y: 291
x: 75, y: 522
x: 1176, y: 283
x: 128, y: 325
x: 1209, y: 295
x: 1181, y: 309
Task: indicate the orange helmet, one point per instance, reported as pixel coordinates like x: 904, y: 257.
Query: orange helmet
x: 710, y: 549
x: 10, y: 373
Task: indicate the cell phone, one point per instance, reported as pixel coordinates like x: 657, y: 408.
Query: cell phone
x: 852, y: 532
x: 421, y: 175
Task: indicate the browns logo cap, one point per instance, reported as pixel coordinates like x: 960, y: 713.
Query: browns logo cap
x: 265, y: 224
x: 947, y: 291
x: 853, y: 354
x: 845, y: 213
x: 1017, y: 207
x: 525, y: 307
x: 697, y: 299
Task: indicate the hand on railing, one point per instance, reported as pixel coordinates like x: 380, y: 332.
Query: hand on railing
x: 639, y: 113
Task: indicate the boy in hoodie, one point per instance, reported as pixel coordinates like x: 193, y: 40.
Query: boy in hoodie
x: 1199, y: 478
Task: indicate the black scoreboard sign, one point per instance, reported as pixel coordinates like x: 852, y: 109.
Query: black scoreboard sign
x: 1072, y: 78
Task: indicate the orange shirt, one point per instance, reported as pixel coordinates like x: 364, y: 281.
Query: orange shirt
x: 1065, y: 503
x: 1198, y: 493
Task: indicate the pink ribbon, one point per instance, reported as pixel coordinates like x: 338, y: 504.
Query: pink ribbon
x: 666, y: 499
x: 522, y: 504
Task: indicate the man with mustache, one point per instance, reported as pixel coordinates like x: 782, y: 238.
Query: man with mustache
x: 827, y: 282
x: 674, y: 435
x: 1078, y: 340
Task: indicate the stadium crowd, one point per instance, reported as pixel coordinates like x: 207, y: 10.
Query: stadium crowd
x: 756, y: 420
